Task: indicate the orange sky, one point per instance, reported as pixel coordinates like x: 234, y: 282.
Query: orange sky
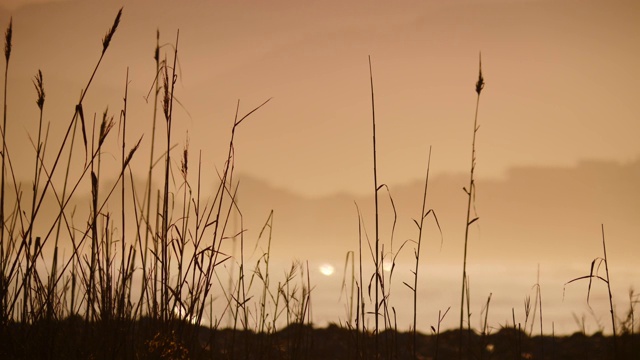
x: 561, y: 81
x: 561, y: 88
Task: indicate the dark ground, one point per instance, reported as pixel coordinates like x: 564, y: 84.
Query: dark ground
x: 146, y: 339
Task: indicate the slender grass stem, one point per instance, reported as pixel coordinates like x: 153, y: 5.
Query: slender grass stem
x: 470, y: 198
x: 423, y: 215
x: 377, y: 235
x: 4, y: 282
x: 613, y: 318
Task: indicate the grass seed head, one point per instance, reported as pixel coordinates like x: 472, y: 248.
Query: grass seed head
x: 7, y: 40
x: 105, y: 126
x: 107, y: 38
x: 156, y: 54
x: 130, y: 155
x: 184, y: 166
x: 480, y: 82
x: 37, y: 82
x: 166, y: 99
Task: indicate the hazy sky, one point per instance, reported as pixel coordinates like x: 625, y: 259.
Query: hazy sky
x: 561, y: 81
x: 561, y: 88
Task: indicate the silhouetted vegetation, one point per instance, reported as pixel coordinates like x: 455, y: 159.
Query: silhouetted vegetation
x: 86, y: 304
x: 72, y: 338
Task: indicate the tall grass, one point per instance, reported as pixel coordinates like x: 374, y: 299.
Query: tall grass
x: 376, y: 188
x: 595, y: 265
x: 96, y: 279
x: 471, y: 193
x: 424, y: 213
x: 3, y: 260
x: 90, y: 304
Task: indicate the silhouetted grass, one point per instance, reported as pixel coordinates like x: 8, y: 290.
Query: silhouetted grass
x: 86, y: 304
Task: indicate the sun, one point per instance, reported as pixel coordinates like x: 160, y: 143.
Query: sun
x: 326, y: 269
x: 387, y: 265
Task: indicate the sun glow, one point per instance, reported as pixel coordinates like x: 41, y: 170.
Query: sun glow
x: 387, y: 265
x: 326, y: 269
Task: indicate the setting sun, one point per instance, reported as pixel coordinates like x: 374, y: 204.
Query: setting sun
x: 326, y: 269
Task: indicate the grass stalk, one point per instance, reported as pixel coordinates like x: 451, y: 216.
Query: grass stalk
x: 424, y: 213
x: 4, y: 283
x: 470, y: 202
x: 613, y: 318
x: 123, y: 155
x: 538, y: 304
x: 485, y: 327
x: 437, y: 330
x: 343, y: 286
x: 360, y: 309
x: 376, y: 188
x: 167, y: 105
x: 607, y: 280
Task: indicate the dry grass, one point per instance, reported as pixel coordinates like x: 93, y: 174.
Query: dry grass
x: 86, y: 304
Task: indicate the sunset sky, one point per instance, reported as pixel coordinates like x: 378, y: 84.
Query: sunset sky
x: 560, y: 109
